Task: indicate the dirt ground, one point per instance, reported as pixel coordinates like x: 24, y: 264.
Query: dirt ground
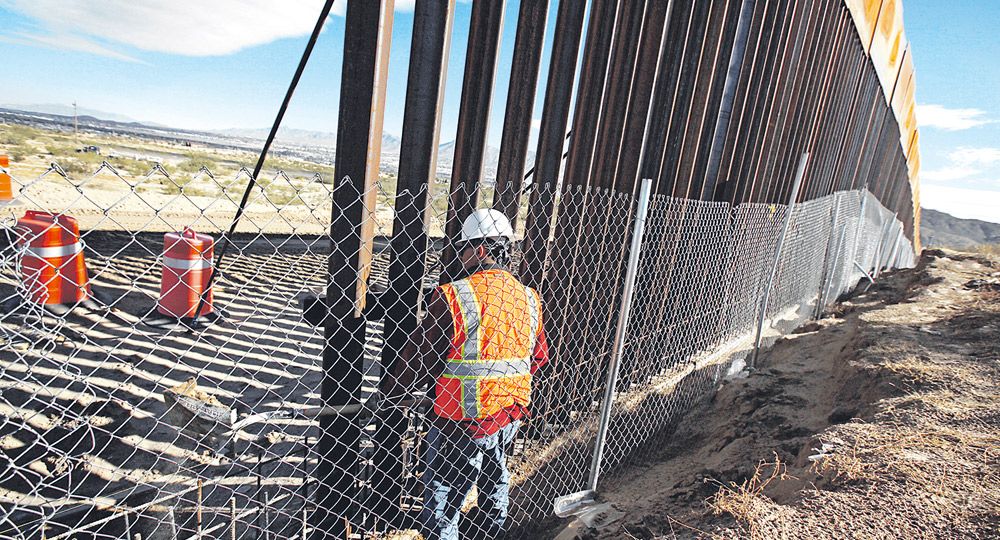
x: 881, y: 420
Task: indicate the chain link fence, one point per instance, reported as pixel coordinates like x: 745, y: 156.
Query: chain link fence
x: 118, y: 420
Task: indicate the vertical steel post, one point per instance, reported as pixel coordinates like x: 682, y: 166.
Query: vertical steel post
x: 861, y: 225
x: 623, y: 315
x: 432, y: 22
x: 803, y: 161
x: 520, y: 104
x: 367, y: 40
x: 831, y: 268
x: 551, y: 139
x: 729, y: 94
x: 882, y: 240
x: 473, y: 119
x: 891, y: 261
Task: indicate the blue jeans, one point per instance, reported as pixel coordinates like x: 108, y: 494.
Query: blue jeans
x: 453, y: 464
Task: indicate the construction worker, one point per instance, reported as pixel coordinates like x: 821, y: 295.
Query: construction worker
x: 479, y: 344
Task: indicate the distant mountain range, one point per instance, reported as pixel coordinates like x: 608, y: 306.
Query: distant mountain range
x: 390, y: 144
x: 304, y: 137
x: 67, y: 110
x: 938, y: 229
x: 287, y: 137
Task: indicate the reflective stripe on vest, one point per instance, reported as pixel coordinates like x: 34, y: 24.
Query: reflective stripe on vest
x: 491, y: 368
x: 470, y: 318
x: 470, y: 370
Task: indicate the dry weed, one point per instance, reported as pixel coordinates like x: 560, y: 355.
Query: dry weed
x: 746, y: 501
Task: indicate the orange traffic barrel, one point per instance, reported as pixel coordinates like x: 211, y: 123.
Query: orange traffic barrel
x: 52, y: 263
x: 6, y: 192
x: 187, y: 265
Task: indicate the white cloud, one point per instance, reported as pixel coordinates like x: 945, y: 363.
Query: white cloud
x: 964, y: 163
x: 938, y: 116
x: 536, y: 124
x: 948, y: 174
x: 964, y: 203
x: 976, y: 156
x: 184, y: 27
x: 66, y: 43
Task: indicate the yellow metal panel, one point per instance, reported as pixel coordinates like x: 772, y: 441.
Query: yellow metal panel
x: 916, y: 217
x: 908, y: 130
x: 913, y: 156
x: 889, y: 45
x: 905, y: 86
x: 865, y: 15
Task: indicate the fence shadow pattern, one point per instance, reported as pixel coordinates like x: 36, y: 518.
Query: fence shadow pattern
x: 90, y: 447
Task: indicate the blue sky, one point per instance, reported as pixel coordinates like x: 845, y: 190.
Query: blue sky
x: 185, y: 64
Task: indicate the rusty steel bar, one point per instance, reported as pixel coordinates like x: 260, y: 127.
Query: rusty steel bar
x: 598, y: 223
x: 617, y: 93
x: 726, y: 106
x: 742, y: 183
x: 704, y: 100
x: 698, y: 26
x: 733, y: 146
x: 473, y: 120
x: 432, y: 23
x: 782, y: 100
x: 642, y: 126
x: 590, y: 94
x: 551, y: 139
x: 362, y: 96
x: 520, y: 107
x: 641, y: 116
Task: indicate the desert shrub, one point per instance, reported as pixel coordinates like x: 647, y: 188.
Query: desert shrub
x: 20, y: 152
x: 16, y: 135
x: 988, y: 249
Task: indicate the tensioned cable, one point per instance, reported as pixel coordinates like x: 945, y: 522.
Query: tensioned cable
x: 225, y: 241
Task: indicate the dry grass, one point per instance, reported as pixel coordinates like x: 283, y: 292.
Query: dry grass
x: 987, y: 249
x: 745, y: 501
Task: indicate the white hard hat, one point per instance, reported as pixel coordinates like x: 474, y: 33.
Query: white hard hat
x: 484, y: 223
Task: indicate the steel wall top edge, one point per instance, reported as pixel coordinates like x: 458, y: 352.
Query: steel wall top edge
x: 880, y: 28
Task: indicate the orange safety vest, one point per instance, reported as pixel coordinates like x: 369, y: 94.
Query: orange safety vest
x: 497, y: 321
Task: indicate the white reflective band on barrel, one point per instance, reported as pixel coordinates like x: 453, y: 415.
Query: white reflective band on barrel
x: 53, y: 252
x: 491, y: 368
x: 187, y: 264
x: 470, y: 316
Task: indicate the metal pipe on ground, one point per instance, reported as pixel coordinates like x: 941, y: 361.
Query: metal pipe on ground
x: 570, y: 504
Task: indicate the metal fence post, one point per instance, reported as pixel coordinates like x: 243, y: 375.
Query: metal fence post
x: 803, y: 161
x: 880, y: 252
x: 623, y: 316
x: 832, y: 249
x: 861, y: 227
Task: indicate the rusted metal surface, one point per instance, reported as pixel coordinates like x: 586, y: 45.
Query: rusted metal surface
x: 520, y: 107
x: 473, y: 118
x: 551, y: 139
x: 589, y: 99
x: 432, y: 23
x: 713, y: 100
x: 366, y: 53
